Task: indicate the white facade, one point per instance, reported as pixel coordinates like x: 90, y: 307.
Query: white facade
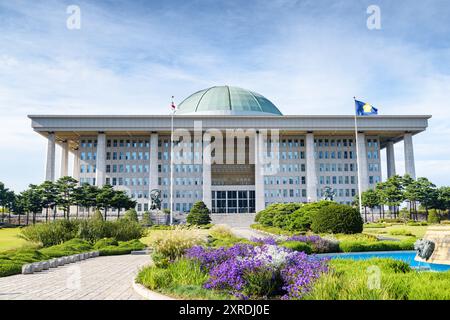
x: 268, y: 159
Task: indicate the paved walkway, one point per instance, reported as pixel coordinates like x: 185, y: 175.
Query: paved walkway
x: 247, y: 233
x: 102, y: 278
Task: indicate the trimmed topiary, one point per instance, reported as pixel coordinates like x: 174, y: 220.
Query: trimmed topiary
x: 337, y: 218
x: 199, y: 214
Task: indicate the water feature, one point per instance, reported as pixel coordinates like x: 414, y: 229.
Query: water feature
x: 406, y: 256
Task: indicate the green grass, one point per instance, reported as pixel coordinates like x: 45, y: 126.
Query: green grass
x: 182, y: 279
x: 9, y: 239
x: 358, y: 280
x: 274, y: 230
x: 398, y: 231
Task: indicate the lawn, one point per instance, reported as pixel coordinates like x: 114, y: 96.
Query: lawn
x: 397, y: 231
x: 9, y: 239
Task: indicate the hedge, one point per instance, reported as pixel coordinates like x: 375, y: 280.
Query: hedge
x: 337, y: 218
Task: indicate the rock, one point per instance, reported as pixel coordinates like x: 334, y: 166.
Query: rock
x: 45, y: 265
x: 37, y: 266
x: 53, y: 263
x: 27, y: 269
x: 61, y: 261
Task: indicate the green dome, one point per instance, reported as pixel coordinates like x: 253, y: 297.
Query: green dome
x: 226, y: 100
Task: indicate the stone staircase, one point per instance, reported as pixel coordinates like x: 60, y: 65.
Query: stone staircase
x: 233, y: 220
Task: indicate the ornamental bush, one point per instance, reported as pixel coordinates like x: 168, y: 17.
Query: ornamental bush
x: 199, y: 214
x: 146, y: 219
x: 51, y: 233
x: 301, y: 219
x: 131, y: 215
x: 337, y: 218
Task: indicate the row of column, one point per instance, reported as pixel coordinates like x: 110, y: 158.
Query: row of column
x: 311, y: 174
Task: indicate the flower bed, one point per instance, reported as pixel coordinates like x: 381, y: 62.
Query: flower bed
x: 264, y: 271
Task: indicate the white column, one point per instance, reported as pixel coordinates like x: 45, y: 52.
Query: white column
x: 64, y: 169
x: 153, y: 164
x: 50, y: 165
x: 101, y: 160
x: 207, y: 196
x: 390, y: 159
x: 311, y: 175
x: 409, y: 155
x: 362, y: 162
x: 76, y: 164
x: 259, y: 178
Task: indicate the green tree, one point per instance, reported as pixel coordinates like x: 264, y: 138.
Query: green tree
x: 66, y: 190
x: 412, y: 194
x: 48, y: 192
x: 104, y: 198
x: 88, y: 196
x: 391, y: 192
x: 32, y: 201
x: 370, y: 199
x: 443, y: 199
x: 121, y: 200
x: 199, y: 214
x: 427, y: 193
x: 3, y: 199
x: 18, y: 206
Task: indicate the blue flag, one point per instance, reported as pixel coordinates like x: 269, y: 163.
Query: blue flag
x: 364, y: 109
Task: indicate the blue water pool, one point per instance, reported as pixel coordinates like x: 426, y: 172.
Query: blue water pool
x: 407, y: 256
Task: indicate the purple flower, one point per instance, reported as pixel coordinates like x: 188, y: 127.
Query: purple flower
x: 229, y: 268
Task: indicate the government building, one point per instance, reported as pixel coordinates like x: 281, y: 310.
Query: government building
x: 232, y: 148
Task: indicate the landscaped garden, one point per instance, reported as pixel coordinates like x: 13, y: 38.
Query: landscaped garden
x: 44, y: 241
x: 193, y: 263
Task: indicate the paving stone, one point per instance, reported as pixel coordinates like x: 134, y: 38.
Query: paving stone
x: 101, y: 278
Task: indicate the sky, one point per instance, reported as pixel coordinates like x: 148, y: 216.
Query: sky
x: 307, y: 57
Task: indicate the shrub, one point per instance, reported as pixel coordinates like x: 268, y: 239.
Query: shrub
x: 277, y: 214
x: 10, y: 268
x: 297, y: 246
x: 433, y: 217
x: 131, y: 215
x: 70, y: 247
x: 262, y: 282
x: 51, y: 233
x: 401, y: 232
x: 301, y: 219
x: 169, y: 247
x: 146, y: 219
x: 417, y: 223
x: 337, y: 218
x: 199, y: 214
x: 125, y: 230
x: 362, y: 246
x: 154, y: 277
x: 123, y: 247
x: 105, y: 242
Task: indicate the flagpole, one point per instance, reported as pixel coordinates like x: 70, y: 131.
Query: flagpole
x: 357, y: 162
x: 171, y: 164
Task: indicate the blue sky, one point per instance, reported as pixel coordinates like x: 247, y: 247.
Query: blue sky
x: 308, y: 57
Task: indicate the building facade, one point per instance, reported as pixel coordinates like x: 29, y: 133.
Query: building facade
x: 232, y: 148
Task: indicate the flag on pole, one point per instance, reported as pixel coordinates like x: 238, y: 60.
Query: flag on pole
x: 173, y: 104
x: 364, y: 109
